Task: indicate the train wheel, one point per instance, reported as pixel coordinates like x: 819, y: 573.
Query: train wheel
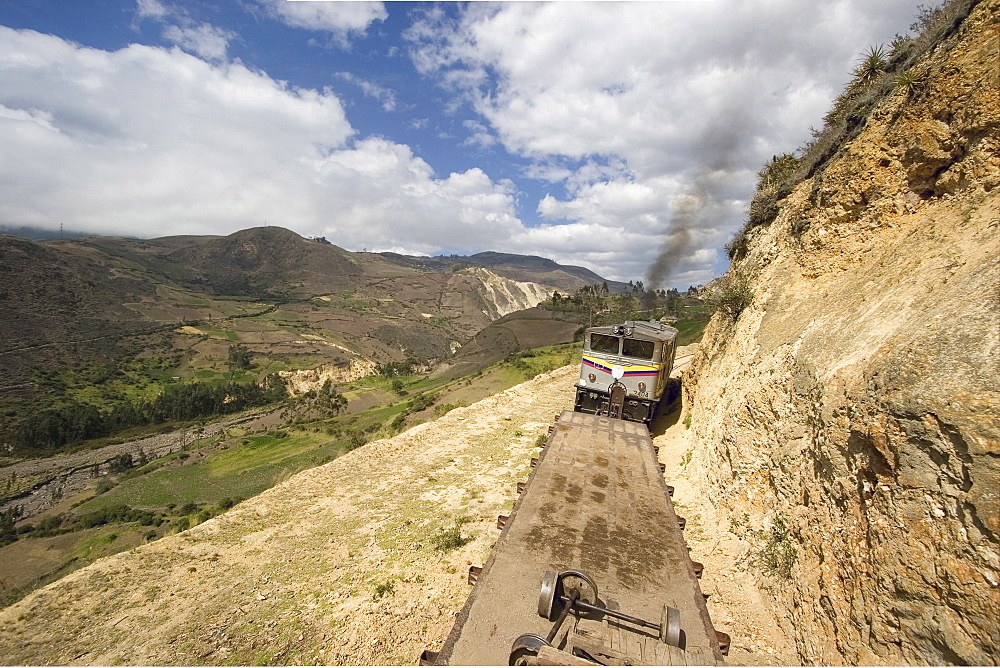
x: 556, y: 587
x: 525, y: 647
x: 548, y: 606
x: 581, y: 583
x: 670, y: 626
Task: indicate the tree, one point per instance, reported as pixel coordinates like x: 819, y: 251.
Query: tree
x: 239, y: 358
x: 592, y: 298
x: 121, y: 463
x: 623, y: 307
x: 329, y: 398
x: 734, y: 296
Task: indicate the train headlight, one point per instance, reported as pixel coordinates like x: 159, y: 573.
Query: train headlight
x: 591, y: 377
x: 642, y: 386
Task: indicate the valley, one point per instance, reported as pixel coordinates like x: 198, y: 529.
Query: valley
x: 99, y: 322
x: 131, y: 352
x: 179, y: 478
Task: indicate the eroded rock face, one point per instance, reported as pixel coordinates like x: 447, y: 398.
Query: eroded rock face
x: 303, y: 380
x: 858, y: 398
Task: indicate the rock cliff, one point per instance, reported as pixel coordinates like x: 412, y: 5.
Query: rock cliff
x: 300, y: 381
x: 483, y: 295
x: 849, y: 417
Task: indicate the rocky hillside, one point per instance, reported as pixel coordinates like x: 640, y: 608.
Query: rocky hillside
x: 848, y: 420
x: 301, y: 301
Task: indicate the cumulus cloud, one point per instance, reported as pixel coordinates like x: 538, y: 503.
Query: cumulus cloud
x: 148, y: 141
x: 340, y: 19
x: 383, y: 198
x: 202, y: 39
x: 479, y: 135
x: 625, y: 99
x: 205, y: 40
x: 151, y: 9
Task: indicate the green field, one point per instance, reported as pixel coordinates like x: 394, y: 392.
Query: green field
x: 239, y: 469
x: 690, y: 331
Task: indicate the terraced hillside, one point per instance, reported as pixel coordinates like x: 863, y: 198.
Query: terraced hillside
x: 101, y: 320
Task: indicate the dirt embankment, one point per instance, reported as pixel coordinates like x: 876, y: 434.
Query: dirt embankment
x: 338, y: 566
x: 852, y: 412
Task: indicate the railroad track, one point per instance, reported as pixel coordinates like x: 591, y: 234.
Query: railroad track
x: 590, y: 567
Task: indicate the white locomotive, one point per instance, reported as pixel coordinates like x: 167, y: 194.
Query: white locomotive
x: 625, y: 369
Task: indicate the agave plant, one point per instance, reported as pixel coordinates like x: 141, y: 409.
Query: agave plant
x: 872, y: 65
x: 908, y: 82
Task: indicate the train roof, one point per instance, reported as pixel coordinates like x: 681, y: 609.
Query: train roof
x: 651, y: 330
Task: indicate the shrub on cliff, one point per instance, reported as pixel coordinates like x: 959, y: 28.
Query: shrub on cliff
x: 774, y: 182
x: 776, y: 554
x: 773, y: 553
x: 733, y: 296
x: 880, y: 71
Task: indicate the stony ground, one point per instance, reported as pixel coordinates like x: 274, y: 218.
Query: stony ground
x: 736, y: 603
x: 338, y: 564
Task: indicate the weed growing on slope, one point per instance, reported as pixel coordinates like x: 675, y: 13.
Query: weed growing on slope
x: 775, y: 553
x: 451, y: 538
x: 686, y: 457
x: 383, y: 589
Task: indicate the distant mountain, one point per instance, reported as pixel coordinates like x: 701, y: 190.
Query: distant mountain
x: 39, y: 234
x: 568, y: 278
x: 296, y: 302
x: 252, y: 262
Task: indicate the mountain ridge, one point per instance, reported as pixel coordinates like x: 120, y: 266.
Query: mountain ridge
x: 293, y: 302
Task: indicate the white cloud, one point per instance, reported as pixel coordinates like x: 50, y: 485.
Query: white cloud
x: 479, y: 136
x: 638, y: 104
x: 151, y: 9
x: 385, y: 96
x: 204, y: 40
x: 381, y: 197
x: 340, y: 19
x: 150, y: 142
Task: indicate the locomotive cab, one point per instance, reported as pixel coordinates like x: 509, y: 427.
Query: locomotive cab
x: 625, y: 369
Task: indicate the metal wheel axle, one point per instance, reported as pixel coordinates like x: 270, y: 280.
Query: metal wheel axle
x: 574, y: 590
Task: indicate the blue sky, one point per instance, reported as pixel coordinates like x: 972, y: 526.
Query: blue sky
x: 594, y: 133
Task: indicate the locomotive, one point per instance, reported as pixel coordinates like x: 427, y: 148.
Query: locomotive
x: 625, y: 369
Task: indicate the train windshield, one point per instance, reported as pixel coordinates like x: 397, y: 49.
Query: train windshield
x: 602, y: 343
x: 638, y: 348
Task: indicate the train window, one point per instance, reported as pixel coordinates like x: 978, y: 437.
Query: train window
x: 638, y: 348
x: 602, y: 343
